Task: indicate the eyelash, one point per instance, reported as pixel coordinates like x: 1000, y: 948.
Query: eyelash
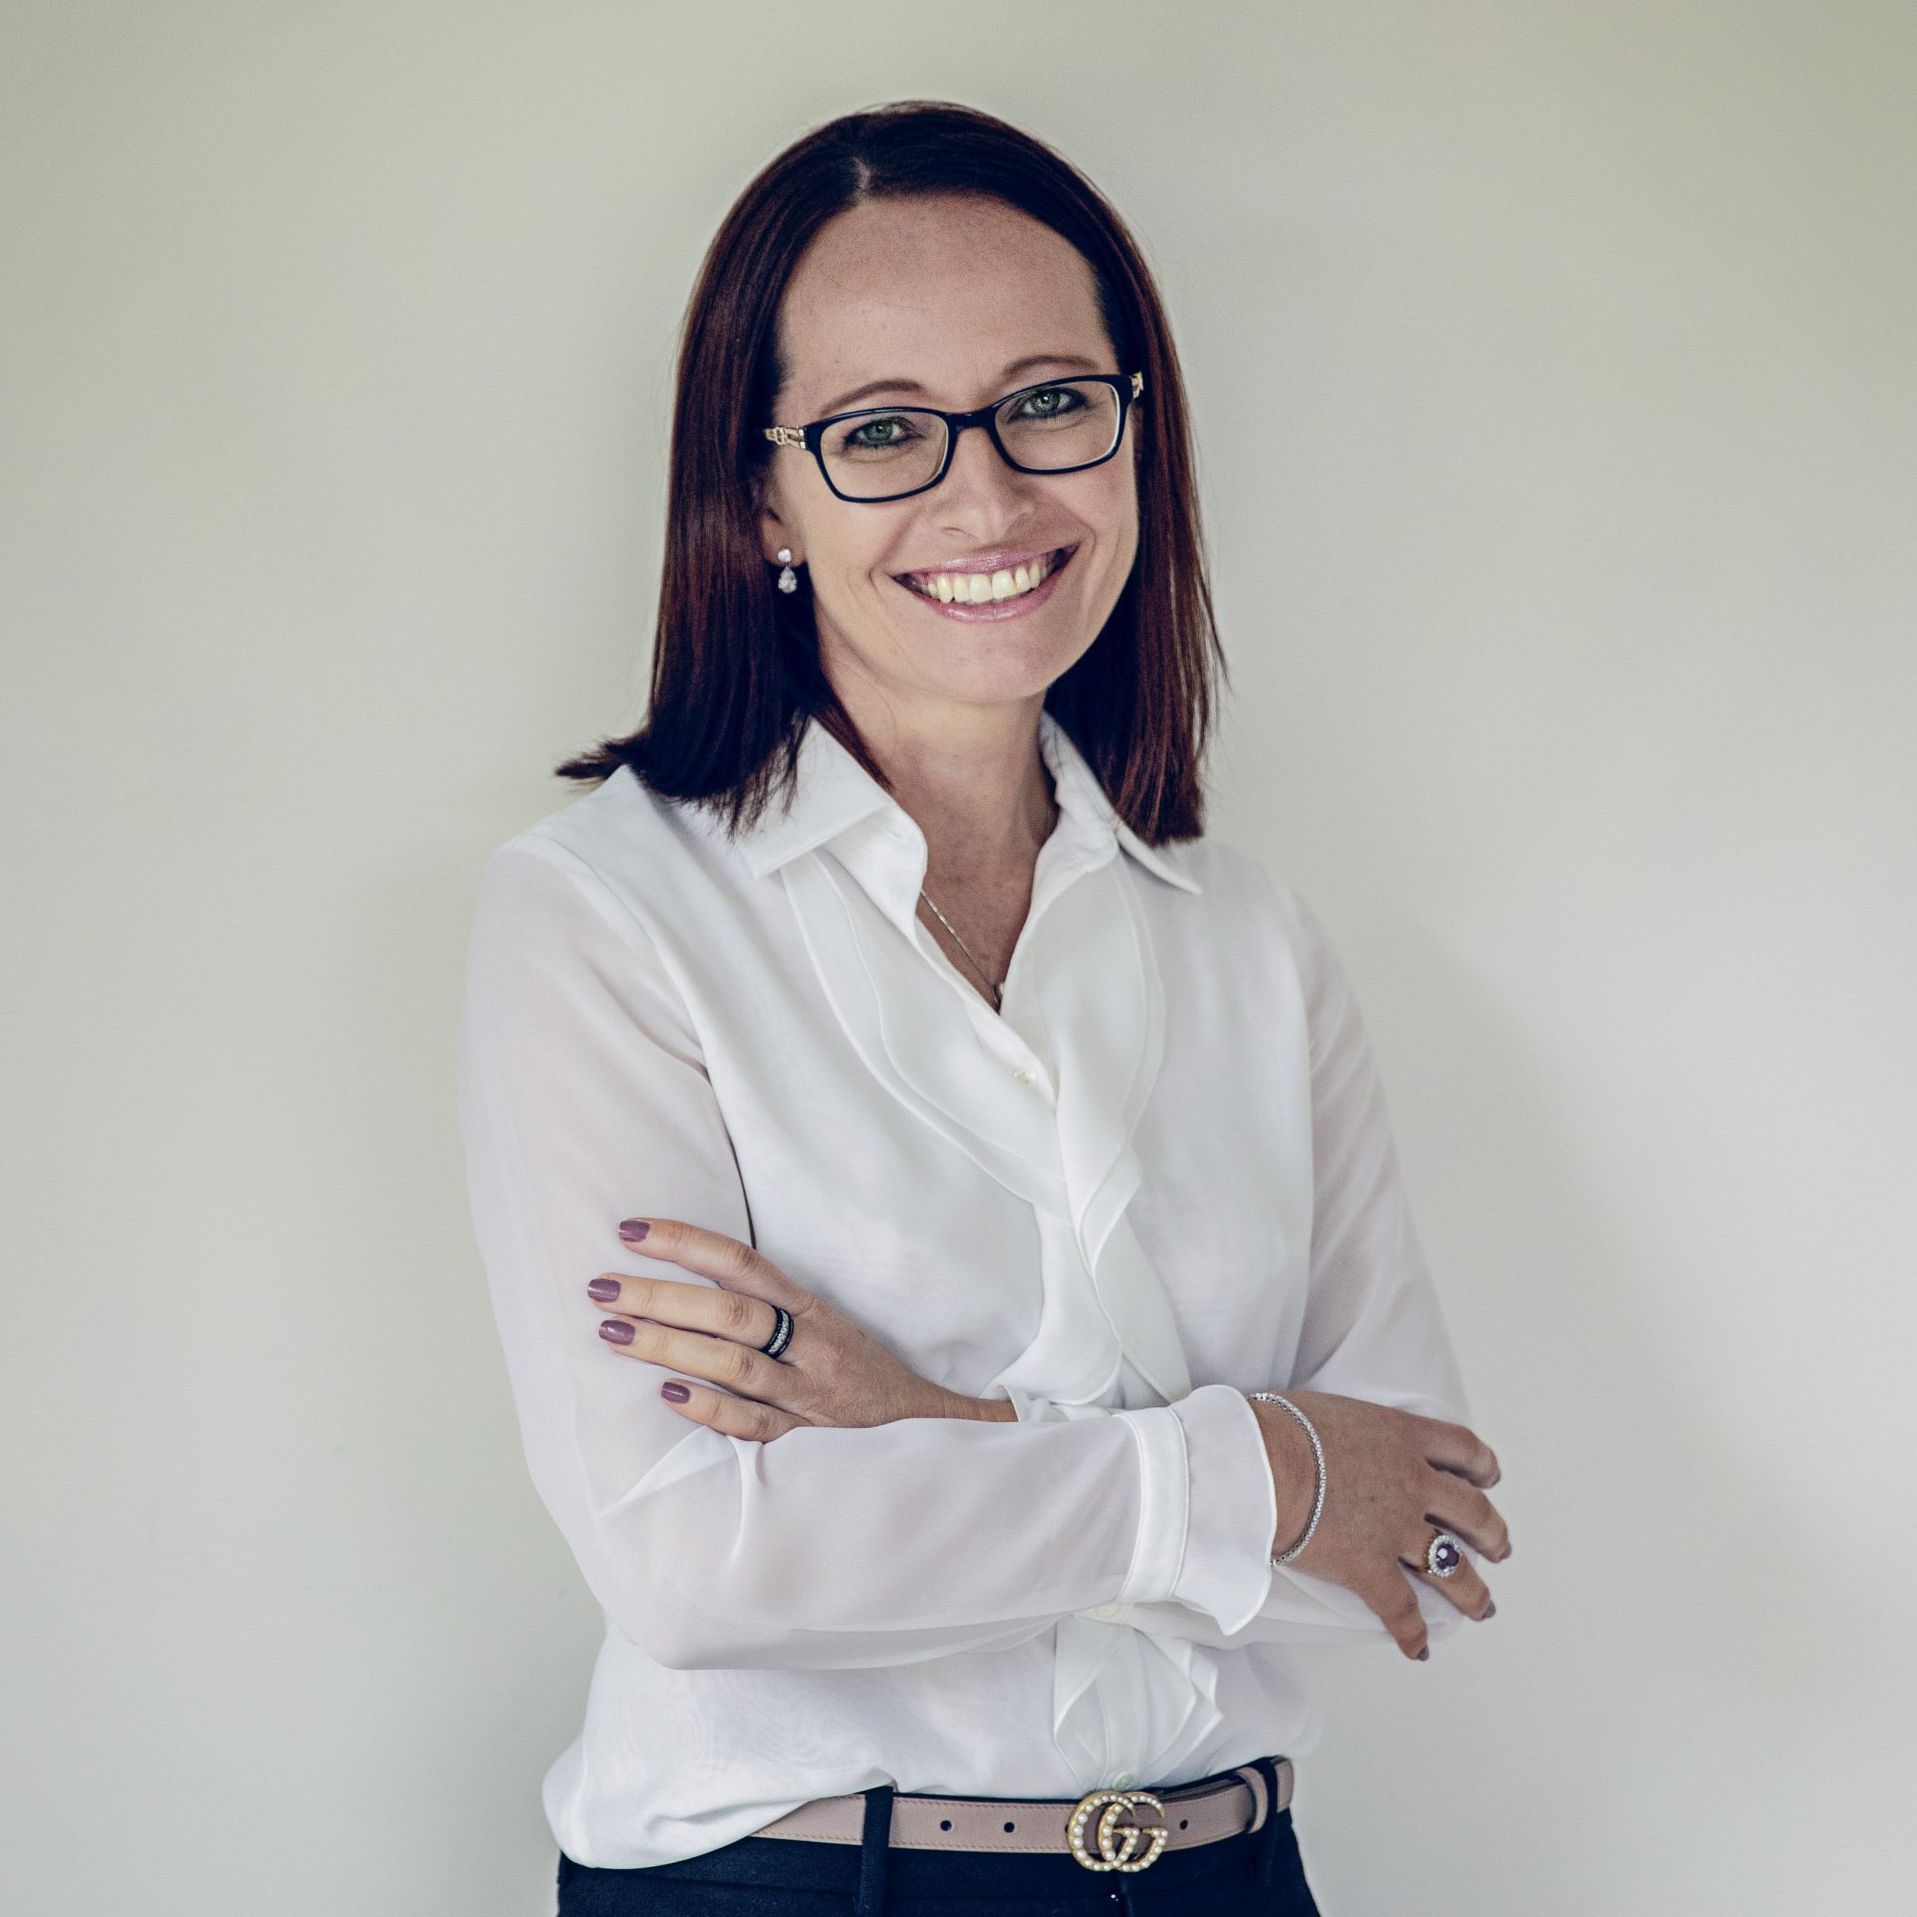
x: 852, y: 438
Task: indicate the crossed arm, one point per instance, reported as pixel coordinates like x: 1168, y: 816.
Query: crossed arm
x: 856, y: 1544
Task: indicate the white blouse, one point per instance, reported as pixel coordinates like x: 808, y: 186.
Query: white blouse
x: 1160, y: 1178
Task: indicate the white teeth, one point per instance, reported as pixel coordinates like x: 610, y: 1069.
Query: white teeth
x: 977, y: 588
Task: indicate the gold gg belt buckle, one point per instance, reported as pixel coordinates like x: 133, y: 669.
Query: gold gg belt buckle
x: 1116, y: 1842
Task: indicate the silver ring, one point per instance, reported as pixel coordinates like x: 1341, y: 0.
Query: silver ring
x: 781, y: 1333
x: 1443, y: 1554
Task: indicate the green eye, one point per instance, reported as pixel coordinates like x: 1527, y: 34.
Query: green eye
x: 1063, y: 400
x: 880, y: 435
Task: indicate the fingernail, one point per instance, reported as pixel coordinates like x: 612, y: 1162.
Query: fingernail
x: 1425, y: 1653
x: 677, y: 1392
x: 633, y: 1229
x: 1490, y: 1610
x: 615, y: 1331
x: 604, y: 1289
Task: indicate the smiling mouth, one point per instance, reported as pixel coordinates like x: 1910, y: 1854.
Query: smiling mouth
x: 986, y: 588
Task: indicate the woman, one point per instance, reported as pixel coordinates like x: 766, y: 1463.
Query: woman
x: 947, y: 1152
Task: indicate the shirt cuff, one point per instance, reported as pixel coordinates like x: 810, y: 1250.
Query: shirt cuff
x: 1207, y: 1507
x: 1231, y: 1508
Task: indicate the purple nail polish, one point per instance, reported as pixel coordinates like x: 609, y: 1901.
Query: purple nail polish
x: 615, y: 1331
x: 633, y: 1229
x: 674, y: 1390
x: 1425, y: 1653
x: 1490, y: 1610
x: 604, y: 1289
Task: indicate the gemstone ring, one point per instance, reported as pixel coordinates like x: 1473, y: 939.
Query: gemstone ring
x: 1443, y: 1554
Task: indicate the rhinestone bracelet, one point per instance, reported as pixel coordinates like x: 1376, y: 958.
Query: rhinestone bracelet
x: 1318, y: 1453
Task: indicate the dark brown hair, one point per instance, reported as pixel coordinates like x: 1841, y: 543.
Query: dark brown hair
x: 735, y: 668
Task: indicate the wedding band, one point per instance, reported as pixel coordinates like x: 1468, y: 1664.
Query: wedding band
x: 1443, y: 1554
x: 781, y: 1333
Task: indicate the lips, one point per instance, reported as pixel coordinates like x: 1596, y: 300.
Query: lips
x: 1055, y: 562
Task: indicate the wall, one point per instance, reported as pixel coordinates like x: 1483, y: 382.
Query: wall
x: 1554, y: 385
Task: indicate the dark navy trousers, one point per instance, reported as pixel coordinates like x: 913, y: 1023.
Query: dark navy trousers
x: 1256, y: 1874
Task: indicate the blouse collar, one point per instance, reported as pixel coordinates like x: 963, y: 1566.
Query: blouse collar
x: 834, y: 794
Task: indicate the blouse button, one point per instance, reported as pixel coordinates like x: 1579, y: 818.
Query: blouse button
x: 1124, y: 1780
x: 1025, y: 1075
x: 1112, y: 1612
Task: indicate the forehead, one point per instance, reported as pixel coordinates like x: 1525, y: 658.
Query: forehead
x: 946, y: 291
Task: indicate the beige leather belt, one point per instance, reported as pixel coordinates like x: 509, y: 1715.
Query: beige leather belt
x: 1104, y: 1829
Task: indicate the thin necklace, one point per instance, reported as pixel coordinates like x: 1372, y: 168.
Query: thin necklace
x: 996, y: 988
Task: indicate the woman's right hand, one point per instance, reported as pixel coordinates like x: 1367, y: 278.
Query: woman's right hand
x: 1391, y: 1477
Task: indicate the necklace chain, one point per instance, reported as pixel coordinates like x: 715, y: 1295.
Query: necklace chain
x: 994, y: 986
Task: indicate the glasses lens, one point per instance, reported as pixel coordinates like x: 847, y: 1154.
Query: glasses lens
x: 875, y: 455
x: 1067, y: 422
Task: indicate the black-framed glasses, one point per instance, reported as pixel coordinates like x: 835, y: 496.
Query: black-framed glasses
x: 891, y: 452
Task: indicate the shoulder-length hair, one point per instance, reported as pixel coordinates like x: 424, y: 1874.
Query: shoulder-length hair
x: 735, y: 668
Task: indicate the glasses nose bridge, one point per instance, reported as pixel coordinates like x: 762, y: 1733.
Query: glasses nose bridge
x: 956, y: 427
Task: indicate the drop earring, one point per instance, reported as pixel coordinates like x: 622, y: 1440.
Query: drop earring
x: 788, y: 579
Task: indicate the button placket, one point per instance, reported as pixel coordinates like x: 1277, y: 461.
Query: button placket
x: 1006, y: 1035
x: 1037, y: 1080
x: 1006, y: 1043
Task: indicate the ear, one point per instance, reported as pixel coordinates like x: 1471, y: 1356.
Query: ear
x: 775, y: 535
x: 773, y: 530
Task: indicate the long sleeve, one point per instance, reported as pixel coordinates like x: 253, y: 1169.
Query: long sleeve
x: 584, y: 1098
x: 1372, y: 1326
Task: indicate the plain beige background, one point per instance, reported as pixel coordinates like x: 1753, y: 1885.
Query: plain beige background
x: 1553, y: 375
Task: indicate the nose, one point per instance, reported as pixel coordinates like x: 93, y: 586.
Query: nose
x: 978, y: 482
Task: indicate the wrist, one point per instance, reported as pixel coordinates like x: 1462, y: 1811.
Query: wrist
x: 981, y: 1410
x: 1294, y: 1472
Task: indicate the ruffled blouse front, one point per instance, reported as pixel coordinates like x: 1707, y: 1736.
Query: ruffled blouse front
x: 1159, y: 1177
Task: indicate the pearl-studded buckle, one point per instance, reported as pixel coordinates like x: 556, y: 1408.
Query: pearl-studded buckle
x: 1115, y: 1855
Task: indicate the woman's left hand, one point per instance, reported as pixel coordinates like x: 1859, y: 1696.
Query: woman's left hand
x: 831, y: 1372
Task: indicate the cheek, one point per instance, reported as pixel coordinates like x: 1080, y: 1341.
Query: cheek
x: 852, y: 569
x: 1112, y: 518
x: 1110, y: 505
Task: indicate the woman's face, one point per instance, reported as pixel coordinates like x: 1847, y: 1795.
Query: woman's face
x: 951, y: 302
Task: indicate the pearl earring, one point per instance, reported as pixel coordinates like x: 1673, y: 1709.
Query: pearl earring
x: 788, y: 579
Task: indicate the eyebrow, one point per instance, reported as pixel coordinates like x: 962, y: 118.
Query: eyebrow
x: 872, y: 386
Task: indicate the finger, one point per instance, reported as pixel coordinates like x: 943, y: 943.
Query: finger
x: 1457, y: 1448
x: 720, y: 1314
x: 714, y: 1255
x: 735, y: 1417
x: 1464, y: 1587
x: 1460, y: 1507
x: 1395, y: 1605
x: 749, y: 1373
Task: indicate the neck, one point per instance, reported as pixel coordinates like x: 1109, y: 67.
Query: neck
x: 975, y: 781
